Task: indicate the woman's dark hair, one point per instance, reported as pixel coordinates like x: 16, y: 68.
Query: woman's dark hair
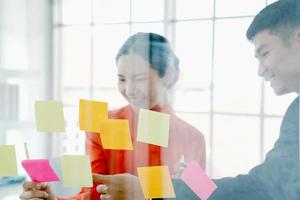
x: 153, y: 48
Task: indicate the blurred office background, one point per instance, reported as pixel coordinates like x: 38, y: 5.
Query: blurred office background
x: 64, y: 50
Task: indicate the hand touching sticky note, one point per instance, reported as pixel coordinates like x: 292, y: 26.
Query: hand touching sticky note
x: 115, y: 134
x: 156, y: 182
x: 49, y: 116
x: 153, y: 127
x: 40, y: 170
x: 92, y: 114
x: 8, y: 161
x: 195, y: 177
x: 76, y: 171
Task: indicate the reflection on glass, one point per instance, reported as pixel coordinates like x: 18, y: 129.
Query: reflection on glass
x: 227, y: 8
x: 189, y: 9
x: 76, y: 55
x: 235, y: 145
x: 237, y: 85
x: 193, y: 46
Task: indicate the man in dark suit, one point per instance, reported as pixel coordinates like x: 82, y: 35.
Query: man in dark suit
x: 275, y: 33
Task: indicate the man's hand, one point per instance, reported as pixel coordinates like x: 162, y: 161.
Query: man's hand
x: 119, y: 186
x: 37, y: 191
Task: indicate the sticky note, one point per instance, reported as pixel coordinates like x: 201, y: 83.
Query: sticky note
x: 195, y: 177
x: 156, y: 182
x: 76, y: 171
x: 153, y: 127
x: 49, y: 116
x: 91, y: 114
x: 115, y: 134
x: 40, y: 170
x: 8, y: 166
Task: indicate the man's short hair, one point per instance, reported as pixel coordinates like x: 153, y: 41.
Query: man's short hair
x: 281, y: 18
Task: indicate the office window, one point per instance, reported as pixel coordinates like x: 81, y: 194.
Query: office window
x: 219, y: 91
x: 25, y: 76
x: 236, y: 84
x: 25, y: 73
x: 229, y: 154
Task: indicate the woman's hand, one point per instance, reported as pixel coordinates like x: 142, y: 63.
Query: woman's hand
x: 119, y: 186
x: 37, y: 191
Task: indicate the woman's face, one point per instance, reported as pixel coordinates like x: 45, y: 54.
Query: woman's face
x: 139, y: 83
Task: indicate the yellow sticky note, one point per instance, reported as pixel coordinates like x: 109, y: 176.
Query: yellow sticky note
x: 153, y: 127
x: 8, y: 166
x: 49, y: 116
x: 91, y: 114
x: 76, y: 171
x: 115, y: 134
x: 156, y: 182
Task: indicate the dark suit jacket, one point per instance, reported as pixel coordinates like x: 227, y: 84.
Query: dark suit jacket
x: 277, y: 178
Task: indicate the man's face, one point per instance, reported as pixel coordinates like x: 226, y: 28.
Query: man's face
x: 279, y: 62
x: 139, y: 83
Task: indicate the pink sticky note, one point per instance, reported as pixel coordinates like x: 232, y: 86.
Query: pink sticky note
x: 39, y: 170
x: 195, y: 177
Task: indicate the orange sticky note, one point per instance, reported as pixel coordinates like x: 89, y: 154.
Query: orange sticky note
x: 92, y: 114
x: 156, y: 182
x: 115, y: 134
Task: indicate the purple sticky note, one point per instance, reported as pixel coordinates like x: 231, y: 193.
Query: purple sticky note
x: 40, y: 170
x: 195, y: 177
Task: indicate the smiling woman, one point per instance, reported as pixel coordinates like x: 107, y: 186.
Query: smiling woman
x: 148, y: 71
x: 141, y: 86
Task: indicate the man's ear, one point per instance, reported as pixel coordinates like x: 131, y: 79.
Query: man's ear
x: 170, y: 78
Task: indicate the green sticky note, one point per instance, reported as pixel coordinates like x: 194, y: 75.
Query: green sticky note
x: 76, y: 171
x: 49, y: 116
x: 8, y: 166
x: 153, y: 127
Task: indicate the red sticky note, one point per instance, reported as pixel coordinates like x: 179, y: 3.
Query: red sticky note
x: 40, y: 170
x: 195, y: 177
